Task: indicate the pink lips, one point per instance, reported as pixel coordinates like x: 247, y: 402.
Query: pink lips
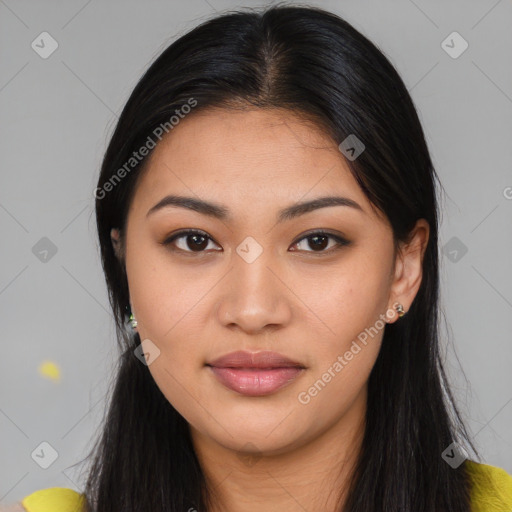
x: 255, y: 374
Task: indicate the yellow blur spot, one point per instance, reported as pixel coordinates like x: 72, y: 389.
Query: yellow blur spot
x: 50, y: 370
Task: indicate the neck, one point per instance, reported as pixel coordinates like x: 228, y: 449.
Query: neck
x: 313, y: 475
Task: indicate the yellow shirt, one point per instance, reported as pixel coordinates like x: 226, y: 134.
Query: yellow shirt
x: 492, y: 488
x: 492, y: 492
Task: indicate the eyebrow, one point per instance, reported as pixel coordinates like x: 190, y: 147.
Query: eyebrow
x: 222, y: 213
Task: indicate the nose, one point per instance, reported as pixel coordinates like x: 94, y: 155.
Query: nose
x: 256, y: 296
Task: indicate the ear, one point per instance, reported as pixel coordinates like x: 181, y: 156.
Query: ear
x: 115, y: 237
x: 409, y: 267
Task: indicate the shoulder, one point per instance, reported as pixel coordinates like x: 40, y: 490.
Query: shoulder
x: 491, y: 488
x: 54, y: 499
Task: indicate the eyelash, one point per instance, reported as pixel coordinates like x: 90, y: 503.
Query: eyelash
x: 340, y: 241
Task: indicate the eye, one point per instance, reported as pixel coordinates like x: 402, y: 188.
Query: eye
x: 194, y: 240
x: 318, y: 240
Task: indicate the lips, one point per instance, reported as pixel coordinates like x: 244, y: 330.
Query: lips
x: 262, y: 360
x: 255, y: 374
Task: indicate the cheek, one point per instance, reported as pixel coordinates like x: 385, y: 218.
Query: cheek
x: 345, y: 356
x: 348, y: 323
x: 347, y: 299
x: 167, y: 305
x: 164, y: 297
x: 170, y: 307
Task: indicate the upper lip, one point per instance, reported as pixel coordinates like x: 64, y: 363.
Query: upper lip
x: 243, y: 359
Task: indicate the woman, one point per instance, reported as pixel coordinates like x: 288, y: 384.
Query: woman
x: 268, y: 222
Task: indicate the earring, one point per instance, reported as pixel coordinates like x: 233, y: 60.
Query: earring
x: 400, y: 310
x: 133, y: 321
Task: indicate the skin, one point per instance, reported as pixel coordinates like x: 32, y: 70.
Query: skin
x: 270, y: 453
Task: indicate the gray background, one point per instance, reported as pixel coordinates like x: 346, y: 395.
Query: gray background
x: 56, y: 116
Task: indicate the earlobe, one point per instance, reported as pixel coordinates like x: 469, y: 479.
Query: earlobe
x: 394, y: 313
x: 115, y: 237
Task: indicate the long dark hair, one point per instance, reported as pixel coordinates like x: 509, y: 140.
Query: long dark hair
x: 315, y: 64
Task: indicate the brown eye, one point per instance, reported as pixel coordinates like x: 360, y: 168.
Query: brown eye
x: 189, y: 241
x: 319, y: 240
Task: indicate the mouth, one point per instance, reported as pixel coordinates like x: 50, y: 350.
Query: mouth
x: 255, y: 374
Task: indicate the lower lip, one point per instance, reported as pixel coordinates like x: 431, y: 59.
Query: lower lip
x: 254, y: 382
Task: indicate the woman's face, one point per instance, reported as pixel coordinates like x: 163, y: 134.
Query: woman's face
x: 258, y: 280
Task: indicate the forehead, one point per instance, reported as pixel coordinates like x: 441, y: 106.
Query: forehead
x: 247, y: 156
x: 260, y: 134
